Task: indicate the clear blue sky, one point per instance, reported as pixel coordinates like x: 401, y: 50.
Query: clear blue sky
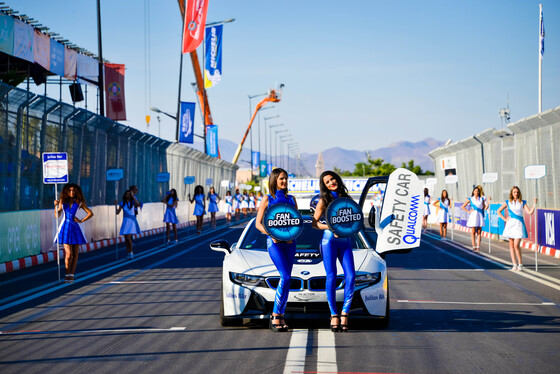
x: 358, y: 74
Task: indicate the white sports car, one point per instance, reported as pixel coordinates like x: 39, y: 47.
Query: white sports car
x: 250, y: 278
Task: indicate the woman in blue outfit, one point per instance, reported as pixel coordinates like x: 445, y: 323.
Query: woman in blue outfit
x: 213, y: 205
x: 70, y: 233
x: 170, y: 217
x: 129, y: 225
x: 281, y: 253
x: 333, y: 248
x: 199, y: 207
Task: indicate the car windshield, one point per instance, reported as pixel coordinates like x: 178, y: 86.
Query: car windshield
x: 309, y: 239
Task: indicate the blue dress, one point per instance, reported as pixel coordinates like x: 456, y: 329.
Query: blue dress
x: 70, y: 232
x: 282, y: 255
x: 213, y: 206
x: 129, y: 224
x: 199, y: 205
x: 170, y: 215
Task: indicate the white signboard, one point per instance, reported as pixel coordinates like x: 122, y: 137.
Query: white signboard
x: 489, y: 177
x: 224, y: 183
x: 449, y: 163
x: 535, y: 171
x: 55, y: 167
x: 451, y: 179
x: 431, y: 181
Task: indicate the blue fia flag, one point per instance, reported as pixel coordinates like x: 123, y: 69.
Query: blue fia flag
x: 213, y: 56
x: 212, y: 140
x: 269, y: 169
x: 186, y: 124
x: 255, y: 160
x: 541, y: 34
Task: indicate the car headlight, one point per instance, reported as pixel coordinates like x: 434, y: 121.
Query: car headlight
x: 246, y: 279
x: 368, y: 278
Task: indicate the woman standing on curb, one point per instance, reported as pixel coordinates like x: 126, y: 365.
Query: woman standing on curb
x: 213, y: 205
x: 476, y: 216
x: 170, y: 218
x: 229, y: 206
x: 129, y: 224
x: 281, y: 253
x: 443, y: 203
x: 333, y: 248
x: 426, y: 209
x: 199, y: 207
x: 515, y: 229
x: 70, y: 233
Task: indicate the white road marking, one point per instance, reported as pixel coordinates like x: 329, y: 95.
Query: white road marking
x: 469, y: 302
x: 31, y: 332
x: 326, y: 352
x: 295, y: 359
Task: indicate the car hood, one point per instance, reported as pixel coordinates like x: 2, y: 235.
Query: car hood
x: 260, y: 264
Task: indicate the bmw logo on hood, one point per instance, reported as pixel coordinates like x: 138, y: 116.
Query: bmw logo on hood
x: 305, y: 272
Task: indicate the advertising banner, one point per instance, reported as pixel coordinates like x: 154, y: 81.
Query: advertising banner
x: 548, y: 225
x: 20, y: 235
x: 460, y: 215
x: 212, y: 140
x: 70, y: 64
x: 262, y: 171
x: 186, y: 128
x: 255, y: 160
x: 57, y: 58
x: 268, y: 168
x: 6, y: 34
x: 114, y: 92
x: 42, y: 49
x: 213, y: 57
x: 195, y: 21
x: 87, y: 70
x: 492, y: 222
x: 23, y: 41
x: 311, y: 185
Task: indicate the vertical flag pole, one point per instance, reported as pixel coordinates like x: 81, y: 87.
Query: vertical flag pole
x: 56, y: 233
x: 541, y: 52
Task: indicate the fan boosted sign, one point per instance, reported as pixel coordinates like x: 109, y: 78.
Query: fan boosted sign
x: 283, y: 222
x: 344, y: 217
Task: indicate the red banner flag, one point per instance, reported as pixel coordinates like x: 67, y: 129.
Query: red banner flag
x: 115, y: 108
x: 195, y: 22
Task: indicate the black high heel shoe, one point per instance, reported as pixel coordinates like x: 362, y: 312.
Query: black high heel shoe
x: 335, y: 328
x: 279, y: 327
x: 344, y: 326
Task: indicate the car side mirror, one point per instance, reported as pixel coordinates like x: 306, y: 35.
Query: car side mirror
x: 371, y: 217
x: 220, y: 246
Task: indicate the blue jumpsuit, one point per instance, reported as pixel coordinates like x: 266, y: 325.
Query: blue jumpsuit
x: 282, y: 255
x: 341, y: 248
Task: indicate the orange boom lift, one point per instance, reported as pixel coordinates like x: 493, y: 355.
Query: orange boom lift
x: 274, y: 96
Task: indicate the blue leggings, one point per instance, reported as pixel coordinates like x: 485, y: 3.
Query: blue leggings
x: 282, y: 254
x: 341, y: 248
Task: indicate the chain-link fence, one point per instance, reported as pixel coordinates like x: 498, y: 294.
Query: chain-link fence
x: 33, y: 124
x: 531, y: 141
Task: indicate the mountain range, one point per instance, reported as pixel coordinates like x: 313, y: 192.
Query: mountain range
x: 344, y: 159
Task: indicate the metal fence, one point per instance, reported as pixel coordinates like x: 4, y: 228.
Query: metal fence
x: 33, y: 124
x: 530, y: 141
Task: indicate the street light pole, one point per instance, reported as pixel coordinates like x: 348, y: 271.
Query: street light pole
x: 265, y: 136
x: 251, y: 97
x: 276, y: 145
x: 283, y: 139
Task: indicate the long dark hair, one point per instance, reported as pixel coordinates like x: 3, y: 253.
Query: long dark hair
x: 127, y: 201
x: 199, y: 190
x: 273, y: 181
x: 446, y: 196
x: 326, y: 194
x: 65, y: 197
x: 172, y: 194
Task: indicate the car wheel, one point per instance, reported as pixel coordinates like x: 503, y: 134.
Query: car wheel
x: 227, y: 321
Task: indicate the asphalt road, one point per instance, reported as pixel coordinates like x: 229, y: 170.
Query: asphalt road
x: 451, y: 312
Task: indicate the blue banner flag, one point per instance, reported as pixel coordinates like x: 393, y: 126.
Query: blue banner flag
x: 186, y: 124
x: 255, y: 160
x: 212, y: 140
x: 213, y: 56
x: 57, y: 58
x: 541, y: 34
x: 269, y: 169
x: 263, y: 169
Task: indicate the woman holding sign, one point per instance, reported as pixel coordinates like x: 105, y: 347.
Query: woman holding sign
x: 515, y: 229
x: 476, y: 216
x: 334, y: 247
x: 129, y: 225
x: 282, y: 253
x: 170, y: 217
x: 443, y: 203
x: 199, y: 207
x: 70, y: 234
x: 213, y: 205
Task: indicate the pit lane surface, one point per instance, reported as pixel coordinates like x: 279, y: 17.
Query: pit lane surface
x: 452, y: 312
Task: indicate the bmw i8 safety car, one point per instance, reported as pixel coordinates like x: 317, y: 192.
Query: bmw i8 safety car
x: 249, y: 278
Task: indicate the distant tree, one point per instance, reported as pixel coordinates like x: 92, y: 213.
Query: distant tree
x: 373, y: 167
x: 416, y: 169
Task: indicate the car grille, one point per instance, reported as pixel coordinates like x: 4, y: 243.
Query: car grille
x: 312, y: 284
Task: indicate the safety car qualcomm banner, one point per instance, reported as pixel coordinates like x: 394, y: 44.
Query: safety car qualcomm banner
x: 114, y: 92
x: 186, y: 128
x: 195, y: 21
x: 213, y: 57
x: 401, y: 215
x: 212, y: 140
